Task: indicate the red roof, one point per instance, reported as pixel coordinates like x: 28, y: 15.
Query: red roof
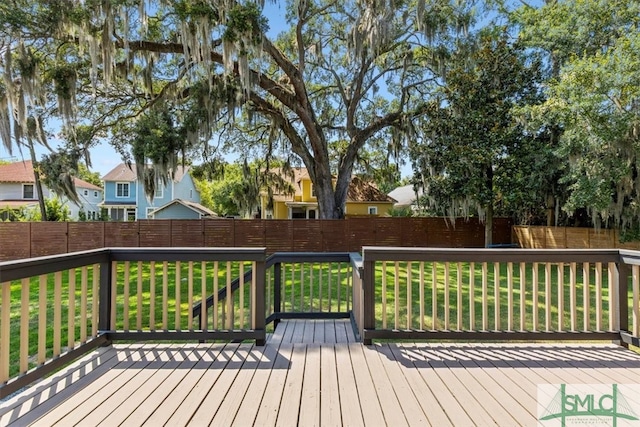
x: 22, y: 172
x: 17, y: 172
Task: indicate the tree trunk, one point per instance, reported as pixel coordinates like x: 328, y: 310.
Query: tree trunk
x: 488, y: 221
x: 488, y: 227
x: 38, y: 183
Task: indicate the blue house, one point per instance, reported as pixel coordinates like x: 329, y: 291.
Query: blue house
x: 124, y: 198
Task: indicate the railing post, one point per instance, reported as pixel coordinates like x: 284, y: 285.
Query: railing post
x: 258, y: 306
x: 622, y: 299
x: 368, y: 297
x: 104, y: 319
x: 277, y: 292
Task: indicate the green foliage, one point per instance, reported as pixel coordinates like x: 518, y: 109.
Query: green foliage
x: 55, y: 208
x: 594, y: 98
x: 471, y: 142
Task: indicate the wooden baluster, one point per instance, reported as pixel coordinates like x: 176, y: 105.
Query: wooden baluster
x: 613, y: 295
x: 496, y: 296
x: 216, y: 286
x: 24, y: 322
x: 95, y: 299
x: 434, y: 296
x: 561, y: 297
x: 523, y: 294
x: 409, y: 302
x: 535, y: 297
x: 510, y: 296
x: 190, y: 295
x: 598, y: 296
x: 241, y: 296
x: 459, y: 304
x: 329, y: 290
x: 586, y: 296
x: 71, y: 310
x: 139, y: 297
x: 5, y: 331
x: 421, y: 288
x: 485, y: 297
x: 84, y: 274
x: 572, y: 295
x: 384, y: 295
x: 547, y: 297
x: 229, y: 299
x: 178, y: 294
x: 165, y: 295
x: 57, y: 313
x: 42, y: 319
x: 396, y: 293
x: 125, y: 308
x: 203, y: 296
x: 447, y: 306
x: 472, y: 296
x: 635, y: 310
x: 152, y: 296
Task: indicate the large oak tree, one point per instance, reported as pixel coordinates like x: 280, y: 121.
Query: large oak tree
x: 341, y: 73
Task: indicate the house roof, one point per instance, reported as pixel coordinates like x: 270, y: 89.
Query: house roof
x: 359, y: 190
x: 17, y: 172
x: 362, y: 191
x: 197, y: 207
x: 404, y: 195
x: 79, y: 183
x: 124, y: 173
x: 22, y: 172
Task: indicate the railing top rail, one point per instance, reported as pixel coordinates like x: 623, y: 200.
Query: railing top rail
x: 314, y: 257
x: 375, y: 253
x: 630, y: 257
x: 188, y: 254
x: 19, y: 269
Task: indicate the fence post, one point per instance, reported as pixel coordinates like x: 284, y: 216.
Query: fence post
x: 622, y: 299
x: 368, y: 297
x: 277, y: 292
x: 104, y: 320
x: 259, y: 321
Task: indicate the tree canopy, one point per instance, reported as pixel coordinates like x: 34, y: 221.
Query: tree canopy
x: 341, y: 71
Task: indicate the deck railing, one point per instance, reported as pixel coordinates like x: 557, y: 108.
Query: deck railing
x: 498, y: 294
x: 54, y: 309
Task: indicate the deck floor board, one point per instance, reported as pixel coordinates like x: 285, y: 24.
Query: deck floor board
x: 299, y: 379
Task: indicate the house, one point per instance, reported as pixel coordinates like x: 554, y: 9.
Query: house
x: 90, y: 196
x: 18, y: 191
x: 125, y: 200
x: 363, y: 199
x: 182, y: 209
x: 406, y: 197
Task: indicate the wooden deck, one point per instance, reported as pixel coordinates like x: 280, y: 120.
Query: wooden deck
x: 313, y: 373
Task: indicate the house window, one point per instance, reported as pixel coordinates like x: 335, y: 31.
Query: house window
x: 149, y: 212
x: 131, y: 214
x: 95, y: 194
x: 311, y: 214
x: 122, y: 189
x: 313, y: 190
x: 27, y: 191
x: 159, y: 190
x: 373, y: 210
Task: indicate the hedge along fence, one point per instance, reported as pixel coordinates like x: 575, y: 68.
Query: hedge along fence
x: 32, y: 239
x: 541, y: 237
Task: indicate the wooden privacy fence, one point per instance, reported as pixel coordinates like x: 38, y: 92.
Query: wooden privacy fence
x: 541, y: 237
x: 32, y: 239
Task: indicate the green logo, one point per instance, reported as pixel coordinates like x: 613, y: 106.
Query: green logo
x: 587, y: 404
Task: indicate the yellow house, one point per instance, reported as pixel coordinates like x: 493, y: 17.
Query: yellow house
x: 363, y: 199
